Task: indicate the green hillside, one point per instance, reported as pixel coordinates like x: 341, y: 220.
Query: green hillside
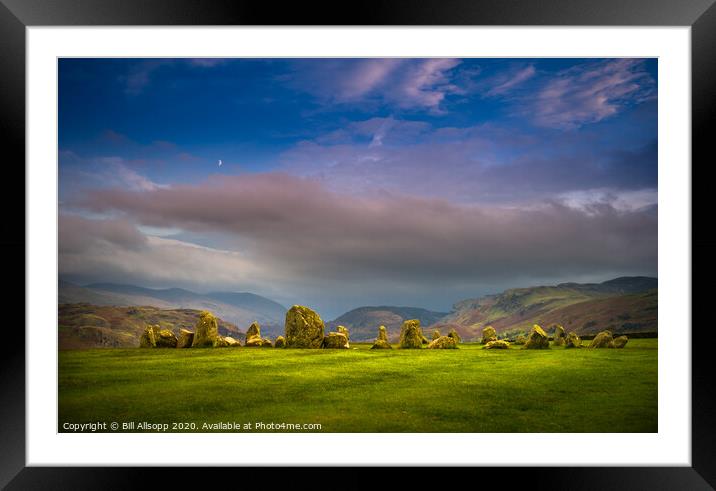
x: 91, y: 326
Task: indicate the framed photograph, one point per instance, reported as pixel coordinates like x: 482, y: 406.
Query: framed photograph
x: 451, y: 234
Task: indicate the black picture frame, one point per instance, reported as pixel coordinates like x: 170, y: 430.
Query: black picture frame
x: 16, y: 15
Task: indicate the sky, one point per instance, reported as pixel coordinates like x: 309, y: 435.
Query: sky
x: 339, y: 183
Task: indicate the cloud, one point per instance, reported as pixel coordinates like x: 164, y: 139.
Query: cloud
x: 396, y: 82
x: 139, y: 75
x: 114, y: 250
x: 296, y: 229
x: 590, y: 93
x: 478, y: 164
x: 506, y: 82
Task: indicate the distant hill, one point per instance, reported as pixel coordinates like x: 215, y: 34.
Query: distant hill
x: 627, y: 304
x: 239, y: 308
x: 84, y: 325
x: 363, y: 322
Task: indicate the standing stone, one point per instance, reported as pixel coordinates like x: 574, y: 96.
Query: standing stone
x: 207, y: 330
x: 602, y: 340
x: 335, y: 340
x: 304, y: 328
x: 453, y: 334
x: 489, y: 334
x: 436, y: 334
x: 165, y: 339
x: 148, y: 339
x: 497, y: 344
x: 573, y: 341
x: 254, y: 339
x: 537, y: 339
x: 280, y: 342
x: 344, y: 330
x: 620, y: 342
x: 443, y: 342
x: 411, y: 336
x: 220, y: 342
x: 231, y: 342
x: 254, y: 331
x: 186, y: 338
x: 559, y: 338
x: 381, y: 342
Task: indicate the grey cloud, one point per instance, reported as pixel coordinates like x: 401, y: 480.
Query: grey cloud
x: 309, y: 234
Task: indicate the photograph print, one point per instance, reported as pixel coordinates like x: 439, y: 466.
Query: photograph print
x: 348, y: 245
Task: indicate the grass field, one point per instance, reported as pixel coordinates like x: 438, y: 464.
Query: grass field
x: 359, y: 390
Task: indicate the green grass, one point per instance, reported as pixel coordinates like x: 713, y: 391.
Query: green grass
x: 359, y: 390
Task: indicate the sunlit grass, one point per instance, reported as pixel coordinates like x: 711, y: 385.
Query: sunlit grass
x: 363, y: 390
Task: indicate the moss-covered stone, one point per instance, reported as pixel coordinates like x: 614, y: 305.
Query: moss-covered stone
x: 335, y: 340
x: 436, y: 334
x: 520, y: 339
x: 443, y: 342
x: 381, y: 344
x: 498, y: 344
x: 304, y: 328
x: 558, y: 338
x: 537, y: 339
x: 573, y: 341
x: 453, y: 334
x: 280, y: 342
x: 254, y: 331
x: 602, y: 340
x: 185, y: 339
x: 620, y: 342
x: 411, y: 335
x: 207, y: 330
x: 220, y: 342
x: 148, y: 339
x: 165, y: 339
x: 258, y: 342
x: 344, y: 330
x: 231, y: 342
x: 488, y: 334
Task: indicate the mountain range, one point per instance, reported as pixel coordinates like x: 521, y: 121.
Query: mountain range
x: 240, y: 309
x: 626, y: 304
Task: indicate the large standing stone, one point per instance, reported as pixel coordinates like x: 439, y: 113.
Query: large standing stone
x: 453, y: 334
x: 335, y: 340
x: 537, y: 339
x: 573, y: 341
x: 436, y: 334
x: 620, y: 342
x: 186, y: 338
x: 411, y: 336
x: 207, y: 330
x: 602, y: 340
x: 381, y: 342
x: 443, y: 342
x: 559, y: 338
x: 489, y: 334
x: 280, y: 342
x: 304, y: 328
x: 497, y: 344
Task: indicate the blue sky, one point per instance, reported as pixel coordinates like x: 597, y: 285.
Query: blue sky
x: 347, y: 182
